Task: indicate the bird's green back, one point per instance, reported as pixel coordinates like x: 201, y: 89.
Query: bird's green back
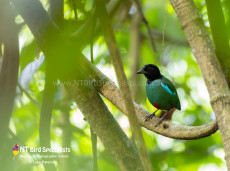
x: 163, y: 93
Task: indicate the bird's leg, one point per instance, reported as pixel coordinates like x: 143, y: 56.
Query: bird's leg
x: 161, y: 119
x: 150, y: 116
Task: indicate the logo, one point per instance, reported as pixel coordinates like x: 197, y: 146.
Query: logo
x: 15, y: 150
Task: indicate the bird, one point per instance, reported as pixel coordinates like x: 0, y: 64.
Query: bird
x: 160, y: 91
x: 15, y: 150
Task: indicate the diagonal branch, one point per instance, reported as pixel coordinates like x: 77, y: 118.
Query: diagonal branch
x: 123, y: 83
x: 29, y: 96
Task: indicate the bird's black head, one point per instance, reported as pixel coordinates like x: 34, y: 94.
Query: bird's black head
x: 151, y: 72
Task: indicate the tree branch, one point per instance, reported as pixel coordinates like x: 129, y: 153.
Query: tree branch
x: 8, y: 78
x: 74, y: 9
x: 54, y: 46
x: 46, y: 112
x: 123, y: 83
x: 66, y: 163
x: 134, y: 52
x: 56, y: 12
x: 29, y: 96
x: 158, y: 36
x: 107, y: 129
x: 110, y: 91
x: 46, y: 108
x: 146, y: 24
x: 92, y: 133
x: 212, y: 72
x: 82, y: 33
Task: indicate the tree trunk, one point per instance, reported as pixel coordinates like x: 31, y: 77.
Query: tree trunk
x: 212, y: 72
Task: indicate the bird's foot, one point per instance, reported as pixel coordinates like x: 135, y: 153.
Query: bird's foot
x: 159, y: 122
x: 161, y: 119
x: 149, y: 117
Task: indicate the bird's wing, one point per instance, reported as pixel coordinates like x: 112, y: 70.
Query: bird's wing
x: 168, y: 86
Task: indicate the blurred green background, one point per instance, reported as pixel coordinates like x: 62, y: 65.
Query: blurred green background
x: 177, y: 63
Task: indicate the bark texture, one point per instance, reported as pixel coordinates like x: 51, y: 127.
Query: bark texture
x: 212, y: 72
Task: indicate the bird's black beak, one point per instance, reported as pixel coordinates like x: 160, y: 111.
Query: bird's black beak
x: 141, y: 72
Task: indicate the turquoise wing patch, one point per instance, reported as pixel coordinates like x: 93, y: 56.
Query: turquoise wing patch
x: 167, y: 89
